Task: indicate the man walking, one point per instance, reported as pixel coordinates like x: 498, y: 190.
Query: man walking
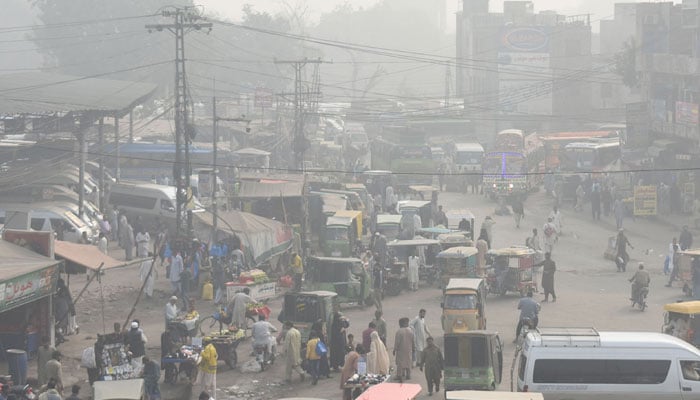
x: 298, y: 270
x: 550, y: 235
x: 54, y: 370
x: 292, y: 347
x: 621, y: 257
x: 207, y: 368
x: 432, y: 362
x: 595, y: 202
x: 129, y: 242
x: 619, y: 210
x: 420, y: 333
x: 43, y: 355
x: 380, y: 325
x: 548, y: 270
x: 367, y: 335
x: 170, y: 311
x: 413, y: 272
x: 518, y: 211
x: 403, y: 349
x: 151, y: 376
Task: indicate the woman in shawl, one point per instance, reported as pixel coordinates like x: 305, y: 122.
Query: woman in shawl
x: 338, y: 340
x: 378, y: 358
x: 349, y: 369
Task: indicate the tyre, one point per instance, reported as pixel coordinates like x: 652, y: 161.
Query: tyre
x: 206, y: 325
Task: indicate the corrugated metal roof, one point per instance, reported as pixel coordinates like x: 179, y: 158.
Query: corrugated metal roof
x: 45, y: 93
x: 17, y: 261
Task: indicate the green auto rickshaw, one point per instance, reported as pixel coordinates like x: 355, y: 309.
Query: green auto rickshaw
x: 473, y: 360
x: 345, y: 276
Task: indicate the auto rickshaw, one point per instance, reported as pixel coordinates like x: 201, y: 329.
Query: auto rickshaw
x: 376, y: 181
x: 454, y: 217
x: 682, y: 320
x: 463, y: 305
x: 345, y: 276
x: 424, y: 192
x: 511, y: 270
x: 473, y: 360
x: 457, y: 262
x: 361, y: 190
x: 396, y: 277
x: 389, y: 225
x: 454, y: 239
x: 305, y: 308
x: 343, y: 231
x: 685, y: 269
x: 422, y: 208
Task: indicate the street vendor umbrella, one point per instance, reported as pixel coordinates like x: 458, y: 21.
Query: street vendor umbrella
x: 387, y: 390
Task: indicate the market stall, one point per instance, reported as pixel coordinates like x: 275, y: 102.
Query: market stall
x: 261, y: 288
x: 27, y: 284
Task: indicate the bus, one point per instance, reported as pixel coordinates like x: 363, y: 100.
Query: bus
x: 505, y: 173
x: 404, y: 152
x: 590, y: 156
x: 468, y: 157
x: 554, y: 143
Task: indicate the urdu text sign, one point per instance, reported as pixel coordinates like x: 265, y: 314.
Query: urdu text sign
x: 645, y: 200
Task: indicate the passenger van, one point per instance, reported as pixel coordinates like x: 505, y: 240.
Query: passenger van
x: 582, y: 363
x: 47, y: 217
x: 148, y: 200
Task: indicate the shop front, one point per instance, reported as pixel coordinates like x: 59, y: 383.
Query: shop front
x: 27, y: 283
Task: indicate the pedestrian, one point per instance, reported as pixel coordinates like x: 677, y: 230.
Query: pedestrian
x: 207, y: 368
x: 292, y: 348
x: 170, y: 311
x: 54, y: 370
x: 151, y: 376
x: 102, y: 243
x: 488, y: 226
x: 413, y: 271
x: 129, y: 242
x: 549, y: 267
x: 51, y: 392
x: 142, y: 240
x: 518, y: 210
x: 298, y: 270
x: 238, y: 306
x: 696, y: 278
x: 238, y: 259
x: 350, y: 369
x: 367, y: 334
x: 420, y: 334
x: 146, y: 274
x: 350, y: 344
x: 432, y: 363
x: 114, y: 223
x: 378, y: 361
x: 621, y: 256
x: 619, y: 210
x: 580, y: 195
x: 550, y: 235
x: 87, y: 361
x: 441, y: 218
x: 482, y: 247
x: 74, y: 393
x: 404, y: 346
x: 380, y: 325
x: 324, y: 368
x: 556, y: 220
x: 606, y: 200
x: 185, y: 280
x: 529, y: 310
x: 685, y: 240
x: 123, y: 222
x: 674, y: 260
x: 312, y: 356
x: 43, y: 355
x: 595, y: 202
x: 136, y: 341
x: 377, y: 283
x: 338, y: 336
x: 533, y: 242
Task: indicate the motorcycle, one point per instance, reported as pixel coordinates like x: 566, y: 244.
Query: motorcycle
x: 527, y: 326
x: 641, y: 299
x: 19, y: 392
x: 428, y: 274
x: 263, y: 356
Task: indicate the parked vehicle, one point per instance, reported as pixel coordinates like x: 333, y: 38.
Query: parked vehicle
x: 457, y: 262
x: 454, y: 239
x: 45, y: 217
x: 396, y: 278
x: 345, y: 276
x: 305, y: 308
x: 342, y: 233
x: 389, y: 225
x: 511, y: 270
x: 481, y: 395
x: 454, y: 217
x: 473, y: 360
x: 409, y: 208
x: 583, y: 363
x: 463, y: 305
x: 682, y: 320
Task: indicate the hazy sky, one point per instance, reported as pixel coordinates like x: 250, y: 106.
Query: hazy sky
x: 600, y: 9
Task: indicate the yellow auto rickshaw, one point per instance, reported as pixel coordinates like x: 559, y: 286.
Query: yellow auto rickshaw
x: 463, y: 305
x: 682, y: 320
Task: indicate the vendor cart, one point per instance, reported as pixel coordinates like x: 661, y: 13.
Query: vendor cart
x: 360, y: 383
x: 183, y: 361
x: 261, y: 288
x: 226, y: 345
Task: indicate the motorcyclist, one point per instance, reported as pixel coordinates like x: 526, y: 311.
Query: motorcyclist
x: 640, y: 280
x: 262, y: 334
x: 529, y: 311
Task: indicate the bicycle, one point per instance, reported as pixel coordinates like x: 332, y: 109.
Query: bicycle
x: 207, y: 324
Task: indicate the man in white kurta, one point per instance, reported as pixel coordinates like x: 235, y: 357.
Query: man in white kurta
x: 413, y: 267
x: 142, y: 240
x: 420, y: 334
x: 238, y: 307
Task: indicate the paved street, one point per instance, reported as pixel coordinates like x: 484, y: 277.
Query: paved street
x: 589, y: 293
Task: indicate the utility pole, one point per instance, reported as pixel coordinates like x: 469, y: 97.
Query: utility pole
x: 448, y: 81
x: 299, y: 144
x: 185, y: 19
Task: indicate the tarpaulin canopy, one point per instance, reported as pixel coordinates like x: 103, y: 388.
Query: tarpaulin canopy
x: 86, y: 255
x: 262, y: 238
x: 25, y: 276
x: 17, y: 261
x: 263, y: 190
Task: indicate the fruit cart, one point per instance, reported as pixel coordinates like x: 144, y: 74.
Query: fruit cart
x: 261, y: 287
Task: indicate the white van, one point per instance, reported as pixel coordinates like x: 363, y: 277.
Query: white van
x: 582, y: 363
x: 147, y: 200
x: 48, y: 217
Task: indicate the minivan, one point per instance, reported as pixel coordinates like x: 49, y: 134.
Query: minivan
x: 582, y: 363
x: 46, y: 217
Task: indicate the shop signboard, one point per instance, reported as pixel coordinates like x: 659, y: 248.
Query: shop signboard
x: 645, y: 200
x: 686, y: 113
x: 28, y: 287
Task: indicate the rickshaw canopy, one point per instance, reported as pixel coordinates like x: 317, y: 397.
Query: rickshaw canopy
x: 435, y: 230
x: 338, y: 221
x: 388, y: 219
x: 683, y: 307
x: 464, y: 283
x: 352, y: 215
x: 454, y: 216
x: 458, y: 252
x: 412, y: 242
x: 691, y: 252
x: 453, y: 238
x: 413, y: 204
x: 515, y: 251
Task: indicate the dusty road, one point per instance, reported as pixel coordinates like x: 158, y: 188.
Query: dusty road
x: 589, y: 293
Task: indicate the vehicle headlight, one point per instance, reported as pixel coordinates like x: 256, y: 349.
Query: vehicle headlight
x: 510, y: 186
